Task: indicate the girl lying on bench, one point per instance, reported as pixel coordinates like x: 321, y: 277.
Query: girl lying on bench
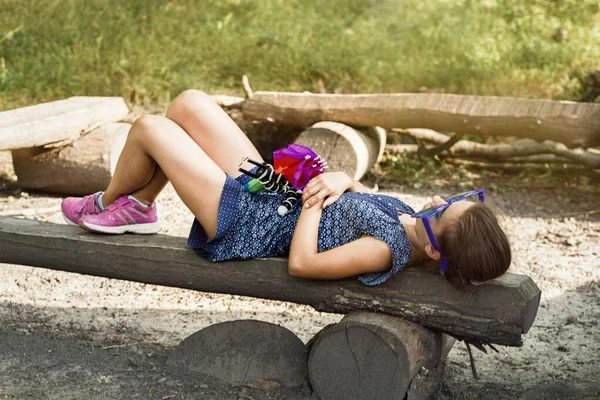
x: 339, y: 231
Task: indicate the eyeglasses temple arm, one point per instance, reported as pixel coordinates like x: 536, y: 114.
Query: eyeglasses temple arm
x: 433, y: 242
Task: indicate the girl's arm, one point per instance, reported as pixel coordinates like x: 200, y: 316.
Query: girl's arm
x: 364, y: 255
x: 356, y: 186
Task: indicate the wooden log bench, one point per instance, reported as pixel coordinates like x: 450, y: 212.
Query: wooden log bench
x: 392, y: 332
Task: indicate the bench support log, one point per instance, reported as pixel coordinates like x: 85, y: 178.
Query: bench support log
x: 499, y: 311
x: 372, y: 356
x: 244, y: 352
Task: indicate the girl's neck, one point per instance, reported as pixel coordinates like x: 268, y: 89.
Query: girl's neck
x: 410, y: 227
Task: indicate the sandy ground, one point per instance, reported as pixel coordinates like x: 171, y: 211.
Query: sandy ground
x: 69, y: 336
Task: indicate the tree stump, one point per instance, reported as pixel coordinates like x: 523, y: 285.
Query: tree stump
x: 372, y: 356
x: 244, y: 352
x: 81, y: 168
x: 344, y: 148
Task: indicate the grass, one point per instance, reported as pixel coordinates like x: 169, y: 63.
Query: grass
x: 7, y: 182
x: 150, y: 50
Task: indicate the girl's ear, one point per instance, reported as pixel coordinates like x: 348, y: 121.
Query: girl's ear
x: 431, y: 252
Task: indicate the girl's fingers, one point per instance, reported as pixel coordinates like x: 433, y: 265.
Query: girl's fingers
x: 315, y: 190
x: 309, y: 192
x: 330, y: 200
x: 318, y: 197
x: 314, y: 182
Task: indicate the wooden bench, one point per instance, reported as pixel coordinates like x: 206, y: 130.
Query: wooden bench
x: 498, y: 312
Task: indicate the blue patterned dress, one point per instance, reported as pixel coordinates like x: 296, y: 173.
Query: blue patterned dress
x: 248, y: 227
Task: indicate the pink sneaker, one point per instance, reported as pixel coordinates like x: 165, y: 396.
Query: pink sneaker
x: 73, y: 208
x: 124, y: 215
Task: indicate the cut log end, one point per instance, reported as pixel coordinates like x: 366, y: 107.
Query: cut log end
x: 372, y: 356
x: 244, y: 352
x: 355, y: 363
x: 344, y: 148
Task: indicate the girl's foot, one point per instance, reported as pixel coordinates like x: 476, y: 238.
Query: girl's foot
x: 124, y: 215
x: 73, y: 208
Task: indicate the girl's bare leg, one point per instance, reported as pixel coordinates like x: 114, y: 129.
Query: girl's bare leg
x: 212, y: 129
x: 213, y: 133
x: 148, y: 193
x: 158, y: 150
x: 209, y: 126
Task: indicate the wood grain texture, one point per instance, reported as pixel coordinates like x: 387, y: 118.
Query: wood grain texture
x: 244, y: 352
x: 370, y: 355
x: 499, y: 311
x: 83, y: 167
x: 426, y: 383
x: 61, y: 121
x: 343, y: 147
x: 571, y: 123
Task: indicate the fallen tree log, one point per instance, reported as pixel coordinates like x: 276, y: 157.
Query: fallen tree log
x: 83, y: 167
x: 571, y: 123
x: 499, y: 311
x: 59, y: 122
x: 507, y: 166
x: 372, y: 356
x: 504, y: 152
x: 399, y: 149
x: 227, y: 102
x: 343, y: 147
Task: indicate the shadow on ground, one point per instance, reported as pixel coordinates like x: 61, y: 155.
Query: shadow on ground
x: 76, y: 358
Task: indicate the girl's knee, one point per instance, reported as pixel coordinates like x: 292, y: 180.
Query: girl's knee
x: 189, y: 102
x: 147, y: 125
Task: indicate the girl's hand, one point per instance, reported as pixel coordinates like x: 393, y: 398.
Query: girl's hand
x: 328, y: 186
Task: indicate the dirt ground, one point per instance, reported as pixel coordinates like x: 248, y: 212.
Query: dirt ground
x: 69, y: 336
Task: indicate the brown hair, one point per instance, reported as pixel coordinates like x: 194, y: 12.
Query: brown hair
x: 476, y: 246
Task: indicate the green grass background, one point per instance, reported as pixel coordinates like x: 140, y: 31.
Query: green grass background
x: 150, y: 50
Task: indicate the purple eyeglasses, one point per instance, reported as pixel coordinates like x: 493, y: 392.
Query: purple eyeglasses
x: 427, y: 213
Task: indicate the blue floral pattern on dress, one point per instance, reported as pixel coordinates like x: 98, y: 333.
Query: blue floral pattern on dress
x: 249, y: 227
